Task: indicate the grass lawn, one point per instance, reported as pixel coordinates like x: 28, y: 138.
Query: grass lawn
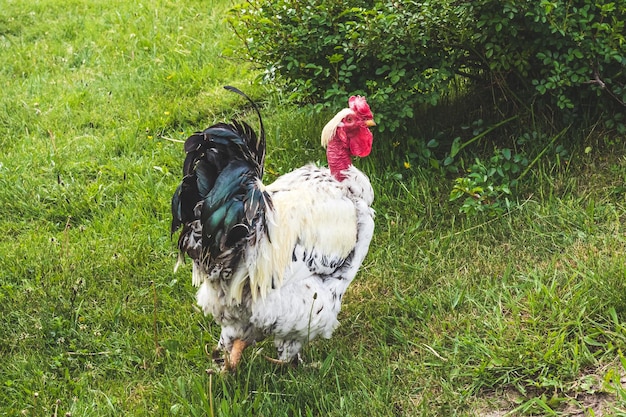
x: 523, y: 312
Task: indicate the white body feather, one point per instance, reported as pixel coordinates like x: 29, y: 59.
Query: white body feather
x: 318, y: 234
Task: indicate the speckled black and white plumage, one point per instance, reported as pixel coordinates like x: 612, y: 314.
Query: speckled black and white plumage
x: 270, y: 260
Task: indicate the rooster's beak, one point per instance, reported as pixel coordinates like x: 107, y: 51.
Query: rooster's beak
x: 370, y: 123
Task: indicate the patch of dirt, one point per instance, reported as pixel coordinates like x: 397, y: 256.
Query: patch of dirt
x: 591, y: 395
x: 601, y: 404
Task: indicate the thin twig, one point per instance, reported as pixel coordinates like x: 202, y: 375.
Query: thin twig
x: 172, y: 139
x: 434, y: 352
x: 106, y: 352
x: 543, y: 151
x: 56, y: 408
x: 480, y: 135
x: 211, y: 395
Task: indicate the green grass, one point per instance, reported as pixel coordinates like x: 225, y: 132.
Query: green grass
x: 449, y: 315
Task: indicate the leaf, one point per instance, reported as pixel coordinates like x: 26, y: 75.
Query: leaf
x: 381, y: 70
x: 455, y: 194
x: 335, y: 58
x: 456, y: 147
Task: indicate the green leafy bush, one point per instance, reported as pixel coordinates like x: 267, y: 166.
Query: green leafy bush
x: 572, y: 53
x: 566, y: 54
x: 488, y: 186
x: 324, y: 50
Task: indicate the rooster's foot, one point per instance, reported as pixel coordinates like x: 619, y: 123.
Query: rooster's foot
x: 225, y: 361
x: 297, y: 360
x: 217, y: 357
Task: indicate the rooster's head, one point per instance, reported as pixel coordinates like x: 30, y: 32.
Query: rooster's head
x: 348, y: 135
x: 351, y: 127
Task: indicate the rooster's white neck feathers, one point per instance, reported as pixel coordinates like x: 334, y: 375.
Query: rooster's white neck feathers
x: 329, y: 131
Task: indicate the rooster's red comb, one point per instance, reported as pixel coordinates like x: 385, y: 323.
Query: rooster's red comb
x: 359, y: 106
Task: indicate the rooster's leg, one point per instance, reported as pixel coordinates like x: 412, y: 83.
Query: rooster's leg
x: 232, y: 360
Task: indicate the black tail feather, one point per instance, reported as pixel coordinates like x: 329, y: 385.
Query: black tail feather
x: 260, y: 145
x: 218, y: 200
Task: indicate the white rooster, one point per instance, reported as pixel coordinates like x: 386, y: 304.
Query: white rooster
x: 274, y: 259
